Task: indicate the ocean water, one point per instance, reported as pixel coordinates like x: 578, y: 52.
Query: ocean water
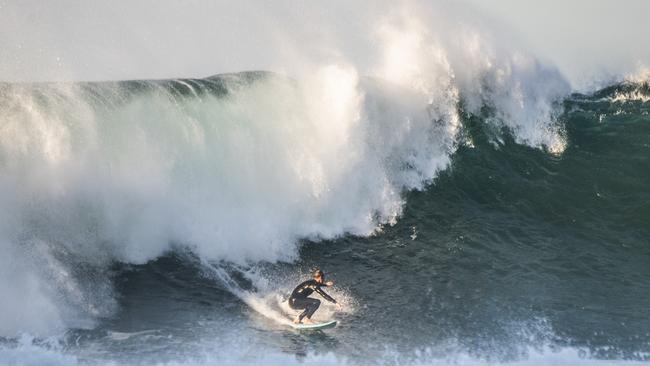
x: 471, y: 210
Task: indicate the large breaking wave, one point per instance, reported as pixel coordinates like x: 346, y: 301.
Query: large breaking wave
x: 239, y: 167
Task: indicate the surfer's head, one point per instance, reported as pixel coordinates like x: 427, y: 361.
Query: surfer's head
x: 319, y: 276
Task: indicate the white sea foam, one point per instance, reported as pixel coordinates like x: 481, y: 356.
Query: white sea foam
x: 635, y: 95
x: 27, y: 353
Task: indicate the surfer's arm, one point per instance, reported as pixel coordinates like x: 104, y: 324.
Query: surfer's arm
x: 324, y: 295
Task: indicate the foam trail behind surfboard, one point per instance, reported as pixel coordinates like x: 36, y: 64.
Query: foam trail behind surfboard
x: 260, y: 304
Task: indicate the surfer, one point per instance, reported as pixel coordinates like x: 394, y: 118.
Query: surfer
x: 300, y: 299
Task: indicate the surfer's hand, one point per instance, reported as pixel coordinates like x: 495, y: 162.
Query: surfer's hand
x: 339, y: 307
x: 329, y: 283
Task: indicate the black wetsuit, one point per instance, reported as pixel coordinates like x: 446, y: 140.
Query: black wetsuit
x: 300, y: 298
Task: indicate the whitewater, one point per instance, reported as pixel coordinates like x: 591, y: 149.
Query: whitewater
x: 472, y: 207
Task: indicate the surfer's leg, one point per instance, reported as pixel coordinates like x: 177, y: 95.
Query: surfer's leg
x: 312, y: 307
x: 303, y: 315
x: 300, y: 304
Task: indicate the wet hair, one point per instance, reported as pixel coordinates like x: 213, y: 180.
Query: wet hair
x: 318, y: 273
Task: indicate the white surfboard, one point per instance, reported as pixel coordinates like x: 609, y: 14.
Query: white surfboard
x: 328, y: 324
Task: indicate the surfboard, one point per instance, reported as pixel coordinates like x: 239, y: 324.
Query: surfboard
x: 329, y: 324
